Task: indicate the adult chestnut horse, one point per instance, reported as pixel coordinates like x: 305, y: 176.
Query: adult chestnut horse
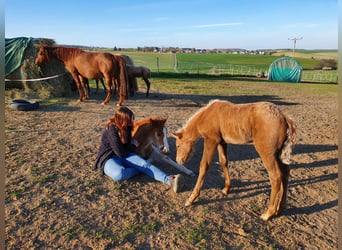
x: 92, y: 65
x: 222, y: 122
x: 132, y: 72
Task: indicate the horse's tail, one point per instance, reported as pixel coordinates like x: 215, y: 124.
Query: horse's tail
x: 290, y: 140
x: 123, y: 86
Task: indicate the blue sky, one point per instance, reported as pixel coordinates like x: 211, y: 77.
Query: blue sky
x: 247, y: 24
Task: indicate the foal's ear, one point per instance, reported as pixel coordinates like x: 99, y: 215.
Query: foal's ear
x: 177, y: 135
x: 164, y: 120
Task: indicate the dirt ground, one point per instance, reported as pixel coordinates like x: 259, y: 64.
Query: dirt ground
x: 54, y: 200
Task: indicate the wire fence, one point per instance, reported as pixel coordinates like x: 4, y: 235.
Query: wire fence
x: 330, y: 76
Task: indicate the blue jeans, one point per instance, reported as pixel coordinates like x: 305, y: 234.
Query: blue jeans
x: 120, y: 169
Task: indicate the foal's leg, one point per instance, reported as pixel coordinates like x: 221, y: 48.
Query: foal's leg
x: 285, y: 169
x: 148, y: 84
x: 277, y: 185
x: 223, y: 160
x: 208, y: 153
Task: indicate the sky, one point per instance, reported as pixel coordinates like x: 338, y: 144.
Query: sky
x: 202, y: 24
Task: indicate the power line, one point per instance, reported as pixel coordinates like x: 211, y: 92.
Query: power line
x: 294, y: 43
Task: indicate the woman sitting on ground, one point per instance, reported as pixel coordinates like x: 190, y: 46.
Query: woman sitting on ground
x: 116, y: 157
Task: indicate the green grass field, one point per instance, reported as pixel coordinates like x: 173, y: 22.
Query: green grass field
x: 226, y: 86
x: 262, y: 62
x: 230, y: 64
x: 154, y: 61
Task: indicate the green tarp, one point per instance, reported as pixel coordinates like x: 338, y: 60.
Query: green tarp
x: 14, y: 53
x: 285, y: 69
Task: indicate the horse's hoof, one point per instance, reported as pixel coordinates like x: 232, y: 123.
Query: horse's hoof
x: 118, y: 104
x: 265, y: 216
x: 225, y: 190
x: 188, y: 203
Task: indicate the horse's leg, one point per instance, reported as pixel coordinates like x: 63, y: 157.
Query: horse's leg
x: 84, y: 84
x: 104, y: 86
x: 131, y: 82
x: 208, y: 154
x: 285, y: 169
x: 116, y: 84
x: 120, y: 94
x: 78, y: 84
x: 108, y: 80
x: 148, y: 84
x: 223, y: 160
x: 121, y: 99
x: 159, y: 158
x: 97, y: 85
x: 276, y: 178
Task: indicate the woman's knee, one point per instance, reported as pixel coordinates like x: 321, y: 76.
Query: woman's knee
x: 116, y: 175
x: 113, y: 170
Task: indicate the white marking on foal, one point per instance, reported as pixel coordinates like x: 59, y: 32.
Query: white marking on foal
x: 166, y: 148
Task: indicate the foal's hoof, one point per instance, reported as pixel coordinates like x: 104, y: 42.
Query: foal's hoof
x: 265, y: 216
x: 225, y: 190
x: 188, y: 203
x: 118, y: 104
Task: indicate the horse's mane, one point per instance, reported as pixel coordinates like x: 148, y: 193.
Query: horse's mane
x: 142, y: 122
x: 63, y: 53
x: 199, y: 111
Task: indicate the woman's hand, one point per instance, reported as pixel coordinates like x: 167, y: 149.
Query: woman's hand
x: 135, y: 142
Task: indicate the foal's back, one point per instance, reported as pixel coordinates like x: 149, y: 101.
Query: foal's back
x: 241, y: 123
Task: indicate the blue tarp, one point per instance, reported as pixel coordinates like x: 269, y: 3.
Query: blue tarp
x: 285, y: 69
x: 14, y: 53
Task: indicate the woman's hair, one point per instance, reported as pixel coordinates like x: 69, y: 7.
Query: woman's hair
x: 122, y: 119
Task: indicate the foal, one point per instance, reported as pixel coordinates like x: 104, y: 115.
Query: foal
x: 223, y: 122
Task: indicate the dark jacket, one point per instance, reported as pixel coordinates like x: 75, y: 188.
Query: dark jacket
x: 111, y: 145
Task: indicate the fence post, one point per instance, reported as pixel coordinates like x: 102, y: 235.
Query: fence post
x: 158, y: 65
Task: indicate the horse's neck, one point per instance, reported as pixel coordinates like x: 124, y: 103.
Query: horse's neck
x: 139, y: 132
x: 139, y: 124
x: 64, y: 54
x: 145, y: 144
x: 191, y: 128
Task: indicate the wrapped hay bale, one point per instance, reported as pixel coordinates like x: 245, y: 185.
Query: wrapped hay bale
x: 24, y: 68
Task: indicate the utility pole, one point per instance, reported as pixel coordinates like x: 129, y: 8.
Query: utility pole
x: 294, y: 44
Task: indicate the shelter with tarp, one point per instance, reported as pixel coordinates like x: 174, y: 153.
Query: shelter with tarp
x: 285, y: 69
x: 21, y: 70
